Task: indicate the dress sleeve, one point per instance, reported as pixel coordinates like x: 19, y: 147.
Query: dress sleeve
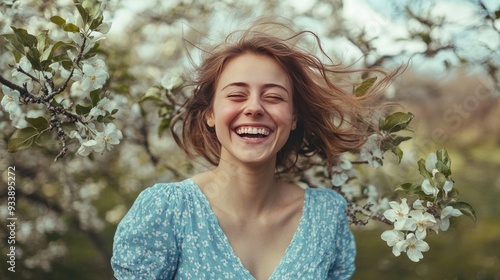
x: 344, y: 248
x: 145, y: 245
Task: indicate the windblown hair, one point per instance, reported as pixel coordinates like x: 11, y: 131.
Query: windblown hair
x: 331, y: 120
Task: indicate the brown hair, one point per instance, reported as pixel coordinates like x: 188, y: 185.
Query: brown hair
x: 330, y: 119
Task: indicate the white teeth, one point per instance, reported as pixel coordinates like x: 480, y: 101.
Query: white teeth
x: 252, y: 130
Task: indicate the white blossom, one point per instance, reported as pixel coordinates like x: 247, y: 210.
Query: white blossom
x: 429, y: 189
x: 414, y: 247
x: 340, y: 172
x: 171, y: 82
x: 399, y: 214
x: 96, y: 141
x: 10, y: 102
x: 80, y: 39
x: 111, y: 136
x: 381, y: 205
x: 74, y: 134
x: 372, y: 193
x: 430, y: 162
x: 446, y: 214
x: 398, y: 210
x: 89, y: 146
x: 101, y: 108
x: 25, y: 65
x: 97, y: 63
x: 104, y: 27
x: 76, y: 89
x: 448, y: 186
x: 75, y: 19
x: 394, y: 239
x: 351, y: 191
x: 93, y: 78
x: 423, y: 221
x: 417, y: 204
x: 370, y: 151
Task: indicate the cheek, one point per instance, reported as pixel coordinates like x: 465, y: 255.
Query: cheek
x: 224, y: 116
x: 287, y: 116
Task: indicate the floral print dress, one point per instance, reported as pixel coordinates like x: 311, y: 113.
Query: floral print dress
x: 172, y: 233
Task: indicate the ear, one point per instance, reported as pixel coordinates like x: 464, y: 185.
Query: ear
x: 294, y: 122
x: 210, y: 119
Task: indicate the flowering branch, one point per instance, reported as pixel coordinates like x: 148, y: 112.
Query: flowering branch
x: 84, y: 71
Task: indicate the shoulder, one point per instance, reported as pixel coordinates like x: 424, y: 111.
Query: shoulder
x: 326, y: 197
x: 162, y: 197
x: 170, y: 191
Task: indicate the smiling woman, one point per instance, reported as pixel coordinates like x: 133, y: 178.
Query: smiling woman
x: 253, y: 94
x: 260, y: 104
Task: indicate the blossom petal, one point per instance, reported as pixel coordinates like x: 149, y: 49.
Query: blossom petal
x: 430, y: 162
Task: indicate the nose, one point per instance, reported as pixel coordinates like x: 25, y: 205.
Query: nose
x: 253, y: 107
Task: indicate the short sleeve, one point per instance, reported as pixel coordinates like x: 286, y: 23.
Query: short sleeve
x: 345, y: 248
x: 145, y: 245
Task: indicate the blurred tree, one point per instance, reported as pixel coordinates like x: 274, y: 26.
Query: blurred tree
x: 68, y: 211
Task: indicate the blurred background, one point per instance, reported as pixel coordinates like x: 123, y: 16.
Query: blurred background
x: 68, y: 210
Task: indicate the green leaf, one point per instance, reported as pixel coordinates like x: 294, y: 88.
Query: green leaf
x: 164, y: 125
x: 440, y: 179
x: 396, y: 121
x: 47, y: 56
x: 398, y: 152
x: 453, y: 194
x: 58, y: 20
x: 497, y: 14
x: 83, y: 110
x: 92, y: 7
x: 14, y: 42
x: 94, y: 97
x: 421, y: 168
x: 96, y: 22
x: 70, y: 27
x: 409, y: 188
x: 114, y: 111
x: 83, y: 13
x: 426, y: 38
x: 153, y: 94
x: 396, y: 140
x: 44, y: 139
x: 443, y: 168
x: 363, y: 88
x: 25, y: 38
x: 67, y: 64
x: 465, y: 208
x: 22, y: 139
x: 39, y: 123
x: 33, y: 56
x: 442, y: 155
x: 68, y: 127
x: 43, y: 40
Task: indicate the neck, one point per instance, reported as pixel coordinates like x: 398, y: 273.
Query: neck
x: 243, y: 190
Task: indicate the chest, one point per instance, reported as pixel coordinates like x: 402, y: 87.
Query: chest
x: 261, y: 245
x: 214, y: 248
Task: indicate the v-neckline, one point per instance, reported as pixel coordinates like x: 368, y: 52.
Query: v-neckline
x: 225, y: 239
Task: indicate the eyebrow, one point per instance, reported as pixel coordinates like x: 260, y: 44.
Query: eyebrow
x: 265, y: 86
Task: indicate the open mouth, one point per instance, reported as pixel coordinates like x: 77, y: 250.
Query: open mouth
x: 253, y: 132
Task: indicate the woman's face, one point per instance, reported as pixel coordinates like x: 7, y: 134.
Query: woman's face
x: 252, y: 110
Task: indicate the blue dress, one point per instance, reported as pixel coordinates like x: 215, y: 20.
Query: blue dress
x: 172, y: 233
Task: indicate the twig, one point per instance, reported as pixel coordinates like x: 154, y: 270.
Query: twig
x: 55, y: 122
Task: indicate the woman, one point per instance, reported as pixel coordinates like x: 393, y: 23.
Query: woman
x: 261, y: 105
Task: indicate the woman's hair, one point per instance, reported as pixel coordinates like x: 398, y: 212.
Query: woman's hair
x: 330, y: 118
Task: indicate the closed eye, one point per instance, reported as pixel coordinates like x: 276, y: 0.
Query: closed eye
x: 274, y: 98
x: 236, y: 96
